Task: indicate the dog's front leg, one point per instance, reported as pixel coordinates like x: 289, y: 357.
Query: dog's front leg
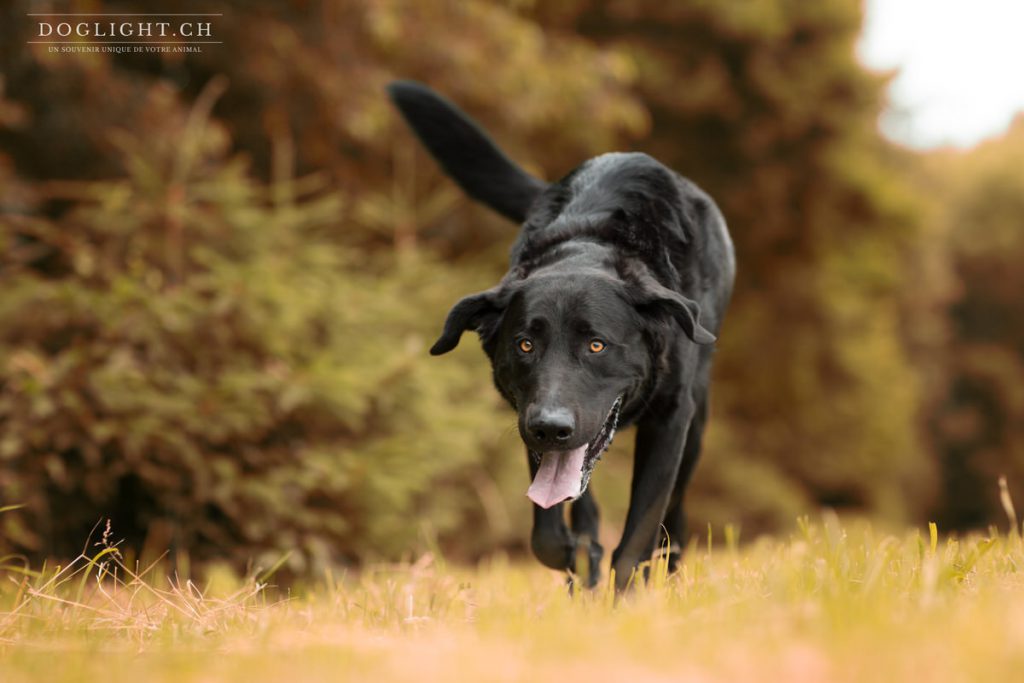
x: 585, y: 520
x: 659, y: 452
x: 550, y: 540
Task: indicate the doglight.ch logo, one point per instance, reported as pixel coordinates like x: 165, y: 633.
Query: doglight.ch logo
x: 124, y: 33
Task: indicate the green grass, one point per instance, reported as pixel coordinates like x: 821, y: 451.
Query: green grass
x: 832, y: 602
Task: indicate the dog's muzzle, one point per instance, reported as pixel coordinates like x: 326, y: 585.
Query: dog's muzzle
x: 564, y: 475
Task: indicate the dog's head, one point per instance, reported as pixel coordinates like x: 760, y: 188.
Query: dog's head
x: 569, y: 348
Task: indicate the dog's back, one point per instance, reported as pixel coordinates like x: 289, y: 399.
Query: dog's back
x: 632, y: 200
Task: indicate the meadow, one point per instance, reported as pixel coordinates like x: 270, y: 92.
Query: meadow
x: 836, y: 600
x: 221, y: 272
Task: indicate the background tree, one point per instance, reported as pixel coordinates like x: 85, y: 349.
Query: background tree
x: 220, y: 277
x: 979, y: 425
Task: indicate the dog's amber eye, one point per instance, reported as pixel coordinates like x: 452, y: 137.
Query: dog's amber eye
x: 597, y: 346
x: 525, y: 345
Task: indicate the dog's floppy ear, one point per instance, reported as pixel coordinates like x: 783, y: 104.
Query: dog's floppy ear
x: 651, y: 293
x: 473, y: 312
x: 465, y: 152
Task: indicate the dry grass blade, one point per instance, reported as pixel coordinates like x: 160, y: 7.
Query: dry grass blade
x: 802, y: 609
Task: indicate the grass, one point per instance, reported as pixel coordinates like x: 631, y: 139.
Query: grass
x: 832, y: 602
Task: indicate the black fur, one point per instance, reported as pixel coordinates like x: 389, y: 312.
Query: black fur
x: 623, y: 251
x: 465, y: 152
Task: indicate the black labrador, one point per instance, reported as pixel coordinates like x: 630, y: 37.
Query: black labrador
x: 607, y: 317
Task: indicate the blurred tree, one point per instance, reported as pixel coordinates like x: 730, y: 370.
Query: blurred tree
x: 980, y: 425
x: 195, y: 362
x: 220, y: 270
x: 219, y: 281
x: 307, y: 78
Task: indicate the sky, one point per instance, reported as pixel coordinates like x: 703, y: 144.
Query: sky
x: 961, y: 67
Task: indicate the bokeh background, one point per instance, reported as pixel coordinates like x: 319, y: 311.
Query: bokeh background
x: 220, y: 273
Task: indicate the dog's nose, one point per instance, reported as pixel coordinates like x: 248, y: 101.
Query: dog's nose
x: 552, y: 426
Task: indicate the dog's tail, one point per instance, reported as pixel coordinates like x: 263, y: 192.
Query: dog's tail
x: 465, y: 152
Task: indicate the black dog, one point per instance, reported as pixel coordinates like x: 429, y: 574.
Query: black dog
x: 617, y: 285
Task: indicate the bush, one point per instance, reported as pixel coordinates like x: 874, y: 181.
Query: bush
x: 198, y: 357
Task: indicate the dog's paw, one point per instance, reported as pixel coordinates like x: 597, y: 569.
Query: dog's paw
x: 554, y: 550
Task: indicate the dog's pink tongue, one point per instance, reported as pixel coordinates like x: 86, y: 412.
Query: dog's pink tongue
x: 559, y: 478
